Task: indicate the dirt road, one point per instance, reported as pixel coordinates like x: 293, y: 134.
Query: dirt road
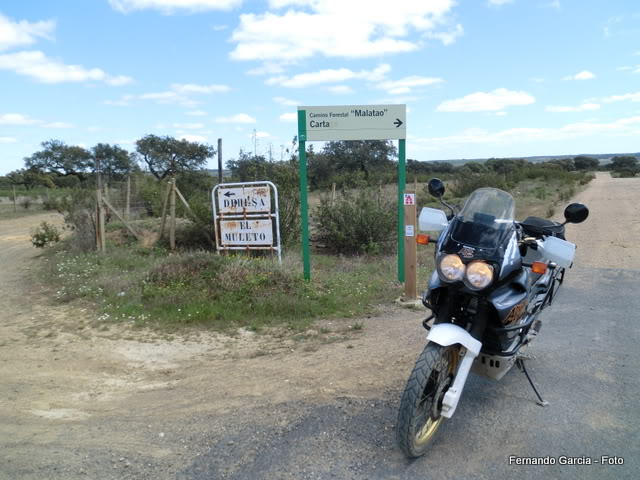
x: 77, y: 402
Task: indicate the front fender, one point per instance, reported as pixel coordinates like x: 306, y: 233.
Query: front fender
x: 446, y: 334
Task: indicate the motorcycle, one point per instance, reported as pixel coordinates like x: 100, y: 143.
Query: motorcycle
x: 493, y: 278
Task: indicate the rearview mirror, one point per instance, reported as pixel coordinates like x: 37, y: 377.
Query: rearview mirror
x: 576, y: 213
x: 436, y: 187
x: 432, y: 220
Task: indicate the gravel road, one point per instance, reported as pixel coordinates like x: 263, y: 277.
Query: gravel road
x: 76, y: 402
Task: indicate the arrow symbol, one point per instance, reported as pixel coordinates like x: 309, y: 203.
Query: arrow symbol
x: 398, y: 122
x: 228, y: 194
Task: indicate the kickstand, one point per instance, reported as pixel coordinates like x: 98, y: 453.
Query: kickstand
x: 520, y: 365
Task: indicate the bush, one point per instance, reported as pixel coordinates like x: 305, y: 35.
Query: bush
x: 468, y: 183
x: 357, y: 221
x: 26, y: 203
x: 45, y: 235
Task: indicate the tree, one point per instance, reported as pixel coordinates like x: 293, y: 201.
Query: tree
x: 115, y: 162
x: 582, y: 162
x: 30, y: 178
x: 358, y: 155
x: 61, y: 159
x: 165, y: 156
x: 624, y: 163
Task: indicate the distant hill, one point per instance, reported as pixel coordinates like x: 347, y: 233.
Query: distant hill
x: 602, y: 158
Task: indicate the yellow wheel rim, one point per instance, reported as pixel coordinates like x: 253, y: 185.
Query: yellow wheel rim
x: 428, y: 430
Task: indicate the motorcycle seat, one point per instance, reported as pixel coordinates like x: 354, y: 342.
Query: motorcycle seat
x: 537, y: 227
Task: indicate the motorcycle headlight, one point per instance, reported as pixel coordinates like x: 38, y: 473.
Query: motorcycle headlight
x: 479, y: 275
x: 451, y: 268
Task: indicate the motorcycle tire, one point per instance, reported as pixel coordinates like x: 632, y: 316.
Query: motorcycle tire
x: 419, y: 418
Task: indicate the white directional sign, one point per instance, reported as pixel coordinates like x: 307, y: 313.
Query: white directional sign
x: 354, y: 122
x: 246, y: 232
x: 245, y: 218
x: 251, y: 199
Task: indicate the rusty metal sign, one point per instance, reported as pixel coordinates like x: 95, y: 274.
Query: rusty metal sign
x: 246, y: 232
x: 250, y: 199
x: 246, y: 217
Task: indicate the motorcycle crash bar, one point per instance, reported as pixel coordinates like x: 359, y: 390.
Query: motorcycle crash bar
x: 446, y: 334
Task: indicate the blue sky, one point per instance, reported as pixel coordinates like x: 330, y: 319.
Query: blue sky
x: 480, y: 78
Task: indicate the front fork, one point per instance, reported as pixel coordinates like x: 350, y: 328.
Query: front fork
x: 447, y: 334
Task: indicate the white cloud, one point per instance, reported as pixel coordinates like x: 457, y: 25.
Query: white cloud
x: 395, y: 100
x: 631, y: 97
x: 193, y: 138
x: 496, y: 100
x: 447, y: 38
x: 268, y: 68
x: 583, y: 75
x: 585, y: 107
x: 404, y: 85
x: 501, y: 113
x: 8, y: 140
x: 16, y: 119
x: 58, y: 125
x: 329, y: 75
x: 340, y: 90
x: 555, y: 4
x: 16, y: 34
x: 497, y: 3
x: 286, y: 101
x: 335, y: 28
x: 289, y: 117
x: 170, y: 6
x: 238, y: 118
x: 189, y: 126
x: 219, y: 28
x: 537, y: 80
x: 622, y: 127
x: 197, y: 113
x: 36, y: 65
x: 259, y: 135
x: 180, y: 94
x: 187, y: 88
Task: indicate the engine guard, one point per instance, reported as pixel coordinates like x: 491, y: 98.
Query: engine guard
x: 446, y: 334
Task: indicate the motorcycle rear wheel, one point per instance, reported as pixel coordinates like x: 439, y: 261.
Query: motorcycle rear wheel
x: 419, y: 418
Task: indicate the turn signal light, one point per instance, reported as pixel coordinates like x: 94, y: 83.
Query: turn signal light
x: 539, y: 267
x: 422, y: 239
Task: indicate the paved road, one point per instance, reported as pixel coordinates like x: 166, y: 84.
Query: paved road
x: 586, y: 366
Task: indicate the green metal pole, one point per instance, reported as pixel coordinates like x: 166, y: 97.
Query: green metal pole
x: 402, y: 178
x: 304, y: 206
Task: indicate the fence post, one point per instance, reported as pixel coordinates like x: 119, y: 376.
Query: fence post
x: 172, y: 212
x: 15, y: 200
x: 128, y: 206
x: 219, y: 160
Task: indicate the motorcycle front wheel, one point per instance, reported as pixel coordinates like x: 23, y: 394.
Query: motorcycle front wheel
x: 420, y: 416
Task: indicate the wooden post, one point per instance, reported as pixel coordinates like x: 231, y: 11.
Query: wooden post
x: 127, y: 210
x: 333, y: 193
x: 167, y: 192
x: 220, y: 179
x: 100, y: 230
x: 15, y: 200
x: 172, y: 213
x: 410, y: 246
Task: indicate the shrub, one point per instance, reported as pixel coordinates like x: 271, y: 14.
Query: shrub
x: 466, y: 184
x: 45, y: 235
x: 26, y: 203
x: 357, y: 221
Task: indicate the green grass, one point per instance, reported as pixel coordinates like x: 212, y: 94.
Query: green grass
x: 201, y: 289
x: 7, y: 211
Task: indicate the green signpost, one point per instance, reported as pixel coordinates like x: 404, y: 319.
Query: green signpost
x: 351, y: 122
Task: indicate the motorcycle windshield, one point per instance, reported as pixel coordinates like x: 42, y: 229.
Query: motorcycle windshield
x: 486, y: 215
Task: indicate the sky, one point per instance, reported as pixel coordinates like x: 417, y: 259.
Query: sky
x: 480, y: 78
